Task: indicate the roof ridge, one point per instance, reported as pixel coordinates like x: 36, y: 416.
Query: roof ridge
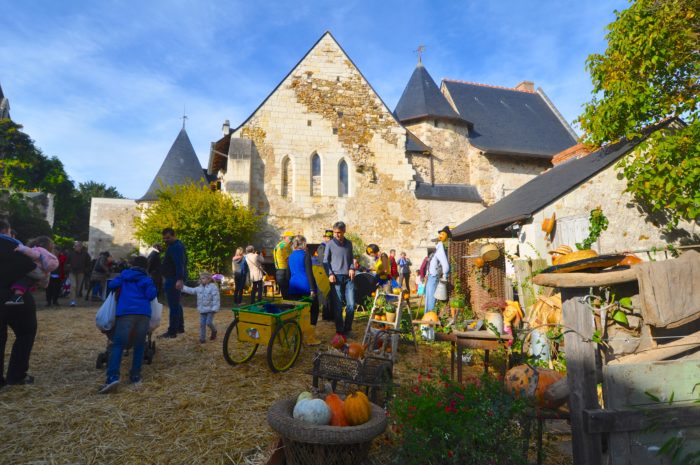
x: 459, y: 81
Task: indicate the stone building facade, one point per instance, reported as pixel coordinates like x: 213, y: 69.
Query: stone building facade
x: 324, y: 147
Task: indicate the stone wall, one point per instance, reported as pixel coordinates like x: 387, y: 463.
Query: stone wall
x: 450, y: 148
x: 629, y: 228
x: 496, y: 176
x: 326, y: 107
x: 112, y: 226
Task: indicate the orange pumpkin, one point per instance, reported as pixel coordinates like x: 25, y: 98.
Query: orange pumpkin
x: 335, y: 403
x: 479, y: 262
x: 357, y: 408
x: 630, y: 260
x: 431, y: 317
x: 356, y: 350
x: 531, y: 382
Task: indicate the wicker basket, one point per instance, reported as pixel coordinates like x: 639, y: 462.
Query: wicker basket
x: 307, y: 444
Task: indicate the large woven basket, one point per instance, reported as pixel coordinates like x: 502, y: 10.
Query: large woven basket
x: 307, y: 444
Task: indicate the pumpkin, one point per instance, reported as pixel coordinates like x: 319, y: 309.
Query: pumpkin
x: 431, y: 317
x: 479, y: 262
x: 630, y: 260
x: 314, y: 411
x: 335, y: 404
x: 356, y: 350
x: 357, y: 408
x: 338, y: 341
x: 531, y: 382
x: 306, y: 395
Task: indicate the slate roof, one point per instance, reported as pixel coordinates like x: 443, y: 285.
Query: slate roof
x: 533, y: 196
x: 180, y: 166
x: 451, y: 192
x: 422, y: 99
x: 510, y: 122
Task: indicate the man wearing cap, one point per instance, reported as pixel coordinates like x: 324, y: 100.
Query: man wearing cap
x: 281, y: 256
x: 438, y: 268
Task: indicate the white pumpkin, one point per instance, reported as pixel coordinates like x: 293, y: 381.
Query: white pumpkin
x: 314, y: 411
x: 306, y: 395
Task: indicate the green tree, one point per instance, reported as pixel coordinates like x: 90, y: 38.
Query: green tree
x: 23, y: 215
x: 208, y: 223
x: 650, y: 71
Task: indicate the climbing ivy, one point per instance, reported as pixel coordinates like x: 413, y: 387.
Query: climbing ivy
x: 597, y: 223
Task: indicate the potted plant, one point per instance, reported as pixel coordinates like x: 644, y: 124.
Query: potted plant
x: 389, y: 311
x: 493, y: 314
x: 458, y: 300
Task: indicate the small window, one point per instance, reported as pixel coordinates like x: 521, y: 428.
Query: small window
x: 315, y: 175
x: 340, y: 114
x: 286, y: 177
x: 308, y: 122
x: 335, y: 130
x: 343, y: 185
x: 337, y: 79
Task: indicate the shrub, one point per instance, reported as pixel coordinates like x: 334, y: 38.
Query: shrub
x: 440, y: 421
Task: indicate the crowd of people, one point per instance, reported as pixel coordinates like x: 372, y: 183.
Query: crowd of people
x: 325, y: 277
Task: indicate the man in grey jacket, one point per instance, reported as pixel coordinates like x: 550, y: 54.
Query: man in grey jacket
x: 337, y: 260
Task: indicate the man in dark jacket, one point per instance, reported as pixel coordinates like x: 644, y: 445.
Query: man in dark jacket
x: 174, y: 271
x: 77, y: 264
x: 21, y: 319
x: 154, y: 265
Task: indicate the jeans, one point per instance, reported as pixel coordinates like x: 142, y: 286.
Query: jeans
x: 430, y: 287
x: 128, y: 328
x: 282, y: 278
x: 343, y: 293
x: 206, y: 319
x: 177, y: 319
x: 76, y: 285
x: 257, y: 288
x: 239, y: 280
x: 21, y: 319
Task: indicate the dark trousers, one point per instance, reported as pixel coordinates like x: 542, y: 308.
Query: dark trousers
x: 177, y: 318
x: 21, y: 319
x: 314, y: 307
x: 239, y: 281
x: 282, y: 278
x: 343, y: 294
x: 257, y: 288
x: 158, y: 281
x: 53, y: 291
x: 404, y: 279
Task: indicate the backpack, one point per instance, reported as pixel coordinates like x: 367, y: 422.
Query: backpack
x: 244, y: 266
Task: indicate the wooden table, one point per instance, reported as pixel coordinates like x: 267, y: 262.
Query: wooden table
x: 484, y: 340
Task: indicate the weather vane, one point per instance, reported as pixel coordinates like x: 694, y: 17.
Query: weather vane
x: 419, y: 51
x: 184, y: 117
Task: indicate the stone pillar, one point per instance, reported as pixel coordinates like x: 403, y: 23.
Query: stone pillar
x: 237, y: 180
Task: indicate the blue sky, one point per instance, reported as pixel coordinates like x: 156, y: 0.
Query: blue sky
x: 102, y: 85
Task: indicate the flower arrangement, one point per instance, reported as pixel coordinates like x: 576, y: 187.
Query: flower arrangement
x: 436, y: 420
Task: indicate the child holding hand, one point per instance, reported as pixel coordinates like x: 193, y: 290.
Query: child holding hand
x: 208, y: 303
x: 39, y: 250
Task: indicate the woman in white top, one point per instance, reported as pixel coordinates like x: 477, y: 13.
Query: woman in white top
x: 257, y: 272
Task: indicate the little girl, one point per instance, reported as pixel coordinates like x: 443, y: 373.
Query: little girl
x: 208, y: 303
x: 39, y: 250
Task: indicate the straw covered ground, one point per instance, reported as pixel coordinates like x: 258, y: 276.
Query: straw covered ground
x: 192, y: 407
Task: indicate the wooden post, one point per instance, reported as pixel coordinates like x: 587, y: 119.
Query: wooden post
x: 581, y: 375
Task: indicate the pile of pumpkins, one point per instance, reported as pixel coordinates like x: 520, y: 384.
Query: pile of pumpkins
x: 351, y: 349
x: 353, y: 411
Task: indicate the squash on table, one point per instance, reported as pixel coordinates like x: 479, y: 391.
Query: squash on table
x: 313, y: 411
x: 531, y: 382
x: 357, y: 408
x: 335, y: 404
x: 356, y: 350
x: 431, y: 317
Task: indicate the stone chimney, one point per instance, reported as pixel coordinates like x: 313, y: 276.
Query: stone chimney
x: 526, y: 86
x: 226, y: 128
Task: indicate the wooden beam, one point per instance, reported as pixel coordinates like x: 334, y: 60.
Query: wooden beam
x: 623, y: 420
x: 581, y: 376
x: 661, y: 352
x: 585, y: 279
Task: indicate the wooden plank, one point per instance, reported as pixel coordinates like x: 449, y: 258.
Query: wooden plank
x: 482, y: 334
x: 581, y: 376
x: 585, y: 279
x: 661, y: 352
x: 625, y: 420
x: 523, y: 272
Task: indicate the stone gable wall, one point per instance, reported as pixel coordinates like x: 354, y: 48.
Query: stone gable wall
x: 497, y: 176
x: 326, y: 107
x: 112, y: 226
x: 450, y: 152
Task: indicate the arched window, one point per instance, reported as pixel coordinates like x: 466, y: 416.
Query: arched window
x: 315, y: 175
x: 286, y: 176
x: 343, y: 184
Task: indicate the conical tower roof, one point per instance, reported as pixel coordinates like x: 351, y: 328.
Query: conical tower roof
x: 422, y: 99
x: 181, y: 166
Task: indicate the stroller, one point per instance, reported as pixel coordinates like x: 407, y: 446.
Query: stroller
x: 148, y: 353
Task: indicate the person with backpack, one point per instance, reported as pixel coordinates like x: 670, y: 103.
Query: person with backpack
x: 240, y: 273
x: 438, y: 268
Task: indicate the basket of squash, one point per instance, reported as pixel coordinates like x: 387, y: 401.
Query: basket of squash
x: 329, y: 430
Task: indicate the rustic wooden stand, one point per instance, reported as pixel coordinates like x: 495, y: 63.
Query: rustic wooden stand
x: 482, y: 340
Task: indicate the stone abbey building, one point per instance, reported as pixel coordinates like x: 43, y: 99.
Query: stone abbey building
x: 323, y: 147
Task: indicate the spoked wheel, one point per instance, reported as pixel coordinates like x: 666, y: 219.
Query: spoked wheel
x: 284, y: 346
x: 236, y: 350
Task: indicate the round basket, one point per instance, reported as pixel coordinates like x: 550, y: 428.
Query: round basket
x: 307, y: 444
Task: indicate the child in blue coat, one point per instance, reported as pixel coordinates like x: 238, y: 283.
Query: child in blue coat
x: 135, y: 290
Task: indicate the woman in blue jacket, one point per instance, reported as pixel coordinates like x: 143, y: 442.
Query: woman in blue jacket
x: 136, y: 290
x: 302, y: 282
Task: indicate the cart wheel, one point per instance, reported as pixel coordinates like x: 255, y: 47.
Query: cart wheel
x: 235, y: 350
x: 101, y: 360
x: 284, y: 346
